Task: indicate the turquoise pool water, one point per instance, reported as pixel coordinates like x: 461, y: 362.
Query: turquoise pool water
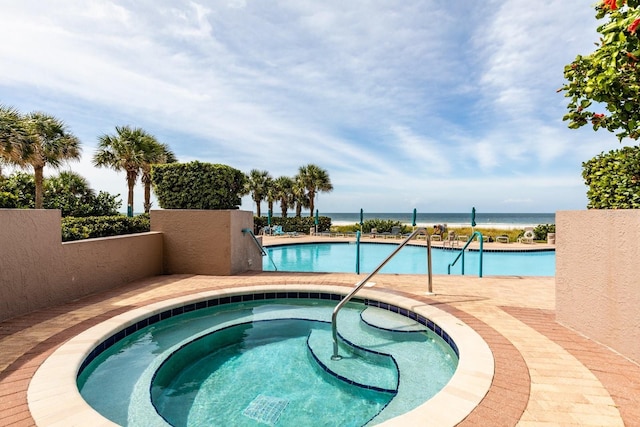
x: 341, y: 258
x: 256, y: 363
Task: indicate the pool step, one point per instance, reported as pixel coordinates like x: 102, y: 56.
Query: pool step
x: 358, y: 366
x: 389, y: 321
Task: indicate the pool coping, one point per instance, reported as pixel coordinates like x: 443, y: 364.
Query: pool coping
x: 53, y: 396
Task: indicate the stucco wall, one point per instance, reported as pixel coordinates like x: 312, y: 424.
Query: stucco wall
x: 598, y: 276
x: 206, y: 241
x: 38, y: 270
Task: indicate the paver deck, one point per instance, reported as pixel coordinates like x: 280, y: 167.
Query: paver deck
x: 545, y: 374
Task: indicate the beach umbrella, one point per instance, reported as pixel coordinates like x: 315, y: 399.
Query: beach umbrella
x: 361, y: 218
x: 316, y: 219
x: 415, y: 212
x: 269, y: 217
x: 473, y: 217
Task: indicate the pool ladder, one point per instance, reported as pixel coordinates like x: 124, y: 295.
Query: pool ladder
x: 461, y: 254
x: 360, y: 284
x: 257, y: 242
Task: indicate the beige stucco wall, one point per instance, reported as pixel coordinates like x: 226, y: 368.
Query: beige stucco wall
x: 598, y: 276
x: 207, y: 241
x: 38, y: 270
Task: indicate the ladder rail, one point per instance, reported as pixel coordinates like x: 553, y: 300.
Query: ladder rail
x: 461, y: 253
x: 263, y: 252
x: 359, y: 285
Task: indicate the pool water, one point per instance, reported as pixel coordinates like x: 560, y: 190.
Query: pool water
x: 412, y: 259
x: 256, y: 363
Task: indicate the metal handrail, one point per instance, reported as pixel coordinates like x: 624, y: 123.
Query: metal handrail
x: 262, y: 251
x: 461, y: 254
x: 359, y: 285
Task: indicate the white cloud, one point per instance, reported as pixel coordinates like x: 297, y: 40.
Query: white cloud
x: 404, y: 103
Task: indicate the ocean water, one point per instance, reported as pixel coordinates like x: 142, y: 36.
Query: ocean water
x: 453, y: 219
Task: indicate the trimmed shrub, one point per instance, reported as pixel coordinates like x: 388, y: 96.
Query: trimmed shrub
x: 613, y: 179
x: 290, y: 224
x: 197, y: 185
x: 103, y: 226
x: 541, y: 231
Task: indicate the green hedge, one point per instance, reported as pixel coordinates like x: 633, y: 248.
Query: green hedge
x: 197, y: 185
x: 298, y: 224
x: 613, y: 179
x: 103, y: 226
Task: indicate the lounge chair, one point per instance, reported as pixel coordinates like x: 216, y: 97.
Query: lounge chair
x: 395, y: 232
x: 374, y: 233
x: 277, y: 230
x: 451, y: 239
x: 528, y: 235
x: 502, y: 239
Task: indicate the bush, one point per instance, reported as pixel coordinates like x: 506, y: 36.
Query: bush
x: 381, y: 225
x: 298, y: 224
x: 613, y: 179
x: 103, y: 226
x: 197, y: 185
x: 8, y: 200
x: 541, y: 231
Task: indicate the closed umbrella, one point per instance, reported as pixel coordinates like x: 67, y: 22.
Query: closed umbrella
x: 361, y: 218
x: 473, y: 217
x: 316, y: 221
x: 415, y: 212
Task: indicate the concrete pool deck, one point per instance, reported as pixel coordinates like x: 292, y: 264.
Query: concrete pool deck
x: 545, y: 374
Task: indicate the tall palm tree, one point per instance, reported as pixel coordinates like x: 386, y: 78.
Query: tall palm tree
x: 315, y: 180
x: 12, y: 136
x: 284, y: 193
x: 156, y: 153
x: 300, y: 196
x: 127, y: 150
x: 257, y: 186
x: 47, y: 143
x: 270, y: 193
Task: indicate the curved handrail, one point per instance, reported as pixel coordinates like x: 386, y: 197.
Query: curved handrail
x: 262, y: 251
x: 461, y: 253
x: 359, y: 285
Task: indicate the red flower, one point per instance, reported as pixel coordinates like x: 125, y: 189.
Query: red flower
x: 611, y: 4
x: 634, y: 26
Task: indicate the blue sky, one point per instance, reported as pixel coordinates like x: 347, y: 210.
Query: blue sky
x: 407, y: 104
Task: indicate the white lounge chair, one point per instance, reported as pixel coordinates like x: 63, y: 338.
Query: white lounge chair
x: 528, y: 236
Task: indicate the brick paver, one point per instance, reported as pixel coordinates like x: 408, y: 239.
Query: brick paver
x: 545, y: 374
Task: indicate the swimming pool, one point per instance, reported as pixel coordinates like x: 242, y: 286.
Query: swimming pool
x: 227, y: 361
x: 340, y: 257
x: 52, y: 388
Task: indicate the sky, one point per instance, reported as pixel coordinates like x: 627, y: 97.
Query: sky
x: 438, y: 106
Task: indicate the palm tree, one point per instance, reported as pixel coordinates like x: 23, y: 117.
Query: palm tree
x: 127, y: 150
x: 270, y: 193
x: 157, y: 153
x: 284, y: 193
x: 12, y: 136
x: 257, y: 186
x: 315, y: 180
x: 300, y: 196
x: 45, y: 142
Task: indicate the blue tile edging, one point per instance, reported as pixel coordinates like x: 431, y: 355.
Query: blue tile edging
x: 214, y: 302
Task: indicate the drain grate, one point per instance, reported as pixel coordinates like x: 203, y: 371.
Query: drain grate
x: 266, y: 409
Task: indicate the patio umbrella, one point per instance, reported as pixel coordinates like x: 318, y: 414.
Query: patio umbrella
x: 414, y: 216
x: 473, y: 217
x: 316, y: 218
x: 361, y: 218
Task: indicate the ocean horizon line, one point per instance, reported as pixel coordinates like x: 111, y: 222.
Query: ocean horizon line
x: 452, y: 219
